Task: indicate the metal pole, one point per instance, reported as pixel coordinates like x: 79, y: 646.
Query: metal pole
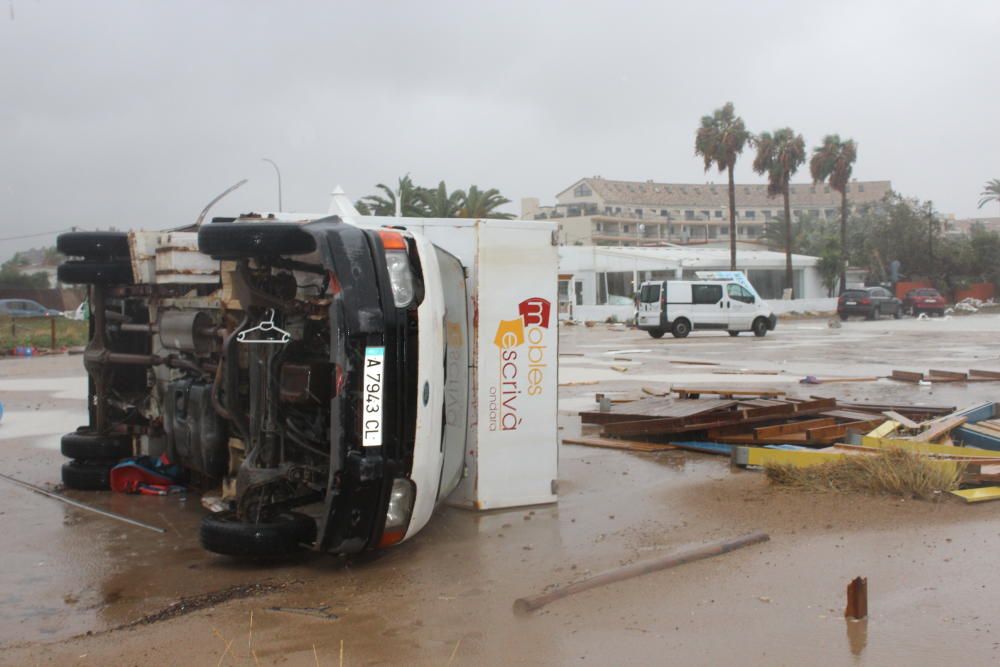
x: 74, y: 503
x: 278, y: 172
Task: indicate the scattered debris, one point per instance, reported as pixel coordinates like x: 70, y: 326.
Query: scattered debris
x: 629, y: 445
x: 322, y: 611
x: 857, y: 599
x: 812, y: 379
x: 531, y: 603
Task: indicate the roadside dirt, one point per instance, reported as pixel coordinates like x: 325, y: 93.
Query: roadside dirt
x: 445, y: 597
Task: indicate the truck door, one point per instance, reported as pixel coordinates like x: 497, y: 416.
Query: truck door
x: 742, y: 307
x: 649, y: 304
x: 708, y: 307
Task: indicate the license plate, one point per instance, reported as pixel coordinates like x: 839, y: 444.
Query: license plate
x: 851, y: 303
x: 372, y: 410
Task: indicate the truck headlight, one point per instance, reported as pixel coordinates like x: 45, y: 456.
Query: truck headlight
x: 398, y: 264
x: 397, y: 516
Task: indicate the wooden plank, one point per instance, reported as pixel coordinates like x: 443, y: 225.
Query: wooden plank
x: 930, y: 448
x: 629, y: 445
x: 948, y: 374
x: 727, y: 391
x: 905, y: 422
x: 792, y: 427
x: 840, y: 430
x: 707, y: 422
x: 979, y: 495
x: 761, y: 456
x: 885, y: 430
x: 986, y: 375
x: 906, y: 376
x: 940, y: 429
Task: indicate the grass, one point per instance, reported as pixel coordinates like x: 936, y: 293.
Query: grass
x: 894, y: 472
x: 37, y: 331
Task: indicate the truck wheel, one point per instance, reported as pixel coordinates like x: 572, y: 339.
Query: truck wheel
x: 88, y: 446
x: 760, y: 327
x: 87, y: 475
x: 90, y: 272
x: 656, y: 333
x: 734, y: 334
x: 242, y: 240
x: 681, y: 328
x: 224, y: 533
x: 93, y: 245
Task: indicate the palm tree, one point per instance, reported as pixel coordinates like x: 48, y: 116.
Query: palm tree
x: 833, y: 162
x: 439, y: 203
x: 478, y: 203
x: 779, y: 155
x: 720, y: 140
x: 991, y: 192
x: 385, y: 203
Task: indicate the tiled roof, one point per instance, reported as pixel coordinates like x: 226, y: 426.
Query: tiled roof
x: 647, y: 193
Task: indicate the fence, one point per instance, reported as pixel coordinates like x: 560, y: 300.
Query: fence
x: 41, y: 332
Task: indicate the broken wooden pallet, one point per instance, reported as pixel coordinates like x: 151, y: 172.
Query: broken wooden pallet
x: 628, y: 445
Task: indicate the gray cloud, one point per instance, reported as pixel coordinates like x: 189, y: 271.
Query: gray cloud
x: 136, y: 114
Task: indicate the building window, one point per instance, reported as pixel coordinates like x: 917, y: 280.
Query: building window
x: 724, y: 231
x: 861, y: 188
x: 689, y: 214
x: 750, y: 215
x: 626, y: 228
x: 582, y: 190
x: 598, y: 226
x: 718, y: 213
x: 830, y: 213
x: 638, y: 212
x: 665, y: 213
x: 607, y: 209
x: 706, y: 215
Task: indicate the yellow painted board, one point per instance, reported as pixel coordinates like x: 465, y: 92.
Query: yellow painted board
x: 929, y: 448
x: 885, y: 429
x: 982, y: 494
x: 759, y: 456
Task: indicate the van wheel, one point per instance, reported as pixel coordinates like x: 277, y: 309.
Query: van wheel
x: 280, y: 535
x: 681, y: 329
x: 760, y: 327
x: 734, y: 334
x: 242, y: 240
x: 656, y: 333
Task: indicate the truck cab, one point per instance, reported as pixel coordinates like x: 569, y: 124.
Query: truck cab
x: 681, y: 306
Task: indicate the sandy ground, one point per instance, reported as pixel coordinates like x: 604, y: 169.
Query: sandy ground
x: 70, y: 578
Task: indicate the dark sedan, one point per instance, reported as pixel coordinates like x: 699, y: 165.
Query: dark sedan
x: 871, y: 302
x: 924, y: 300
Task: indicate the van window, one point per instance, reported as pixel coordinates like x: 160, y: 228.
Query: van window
x: 650, y: 293
x: 706, y: 293
x: 739, y: 293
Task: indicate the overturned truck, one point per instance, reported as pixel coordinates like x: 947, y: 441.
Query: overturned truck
x: 325, y: 376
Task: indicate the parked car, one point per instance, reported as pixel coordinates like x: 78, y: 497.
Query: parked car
x: 924, y: 300
x: 871, y: 302
x: 680, y: 306
x: 26, y: 308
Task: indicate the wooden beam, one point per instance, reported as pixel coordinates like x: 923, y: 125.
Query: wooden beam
x: 906, y: 376
x: 957, y: 377
x: 991, y: 375
x: 628, y: 445
x: 940, y: 428
x: 707, y: 422
x: 840, y: 430
x: 792, y: 427
x: 905, y: 422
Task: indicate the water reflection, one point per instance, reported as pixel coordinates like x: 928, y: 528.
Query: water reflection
x: 857, y: 635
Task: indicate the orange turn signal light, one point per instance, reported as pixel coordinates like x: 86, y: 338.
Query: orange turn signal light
x: 392, y: 240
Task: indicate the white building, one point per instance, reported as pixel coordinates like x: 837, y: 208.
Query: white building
x: 597, y: 282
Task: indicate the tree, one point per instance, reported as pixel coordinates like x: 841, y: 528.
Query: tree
x: 439, y: 203
x: 991, y: 192
x: 779, y: 156
x: 833, y: 162
x: 11, y: 276
x: 478, y: 203
x: 719, y: 141
x: 384, y: 203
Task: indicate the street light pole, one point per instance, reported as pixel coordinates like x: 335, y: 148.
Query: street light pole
x: 278, y: 172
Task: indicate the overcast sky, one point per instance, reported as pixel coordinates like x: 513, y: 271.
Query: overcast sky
x: 136, y: 114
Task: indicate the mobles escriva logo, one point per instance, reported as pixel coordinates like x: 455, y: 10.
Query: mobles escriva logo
x: 522, y: 345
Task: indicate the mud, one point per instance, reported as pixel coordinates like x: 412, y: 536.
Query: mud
x: 445, y: 597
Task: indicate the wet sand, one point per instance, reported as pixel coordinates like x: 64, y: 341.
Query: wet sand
x: 447, y: 594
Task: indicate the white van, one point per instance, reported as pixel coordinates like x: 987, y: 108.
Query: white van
x: 726, y: 303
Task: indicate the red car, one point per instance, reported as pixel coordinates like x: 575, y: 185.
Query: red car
x: 924, y: 300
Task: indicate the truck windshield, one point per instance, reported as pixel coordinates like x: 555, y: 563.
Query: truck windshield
x: 456, y: 371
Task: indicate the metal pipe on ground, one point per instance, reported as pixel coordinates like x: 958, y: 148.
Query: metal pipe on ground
x: 533, y: 602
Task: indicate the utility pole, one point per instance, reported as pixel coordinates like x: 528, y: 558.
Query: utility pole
x: 930, y: 234
x: 278, y: 172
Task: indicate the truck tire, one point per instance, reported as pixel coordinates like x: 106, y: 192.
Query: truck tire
x: 224, y: 533
x: 93, y: 245
x: 681, y: 328
x: 760, y: 327
x: 243, y: 240
x: 656, y: 333
x: 89, y: 446
x: 87, y: 475
x: 95, y: 272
